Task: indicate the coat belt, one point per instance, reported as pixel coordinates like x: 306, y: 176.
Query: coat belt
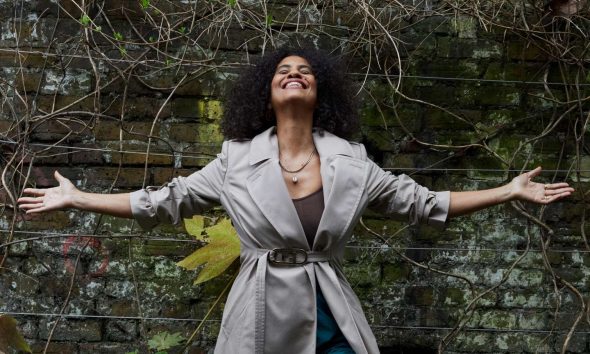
x: 280, y: 257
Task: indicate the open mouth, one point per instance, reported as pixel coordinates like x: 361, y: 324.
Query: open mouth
x: 294, y: 84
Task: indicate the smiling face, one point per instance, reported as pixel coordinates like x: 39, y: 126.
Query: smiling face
x: 293, y: 82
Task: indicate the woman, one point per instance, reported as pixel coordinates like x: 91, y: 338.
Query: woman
x: 294, y: 191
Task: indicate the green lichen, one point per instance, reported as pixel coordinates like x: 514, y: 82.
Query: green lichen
x: 498, y: 319
x: 464, y: 27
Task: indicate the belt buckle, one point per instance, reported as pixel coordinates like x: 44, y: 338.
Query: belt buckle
x: 287, y: 256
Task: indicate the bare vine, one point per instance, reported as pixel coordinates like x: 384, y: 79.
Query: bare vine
x: 77, y: 65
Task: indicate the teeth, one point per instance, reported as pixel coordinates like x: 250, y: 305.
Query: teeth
x: 294, y: 85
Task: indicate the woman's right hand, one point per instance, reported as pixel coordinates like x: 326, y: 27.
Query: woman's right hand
x: 48, y: 199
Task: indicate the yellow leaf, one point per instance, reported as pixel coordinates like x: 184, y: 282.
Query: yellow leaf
x: 222, y: 230
x: 195, y: 226
x: 223, y: 248
x: 10, y: 336
x: 214, y: 270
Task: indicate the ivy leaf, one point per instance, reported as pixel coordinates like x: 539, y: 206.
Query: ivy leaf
x: 195, y: 226
x: 164, y: 340
x: 223, y: 248
x: 10, y: 337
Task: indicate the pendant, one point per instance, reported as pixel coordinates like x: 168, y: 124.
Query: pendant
x: 294, y: 179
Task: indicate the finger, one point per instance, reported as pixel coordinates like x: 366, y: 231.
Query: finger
x: 36, y: 210
x: 550, y: 199
x: 30, y: 200
x: 534, y: 173
x: 34, y: 191
x: 556, y: 185
x: 31, y: 206
x: 559, y: 191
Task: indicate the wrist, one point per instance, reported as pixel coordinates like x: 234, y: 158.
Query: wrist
x: 507, y: 193
x: 77, y: 200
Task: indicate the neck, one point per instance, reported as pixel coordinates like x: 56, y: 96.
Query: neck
x: 294, y: 135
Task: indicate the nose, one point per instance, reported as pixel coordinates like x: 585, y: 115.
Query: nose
x: 294, y: 73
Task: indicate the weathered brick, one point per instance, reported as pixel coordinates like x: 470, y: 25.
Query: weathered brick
x: 112, y: 130
x: 54, y: 347
x: 143, y: 107
x: 72, y: 330
x: 188, y: 108
x: 87, y: 154
x: 185, y: 132
x: 136, y: 153
x: 198, y: 155
x: 28, y: 82
x: 51, y: 103
x: 121, y: 331
x: 58, y: 128
x: 517, y: 50
x: 420, y: 295
x: 449, y: 47
x: 164, y: 175
x: 127, y: 177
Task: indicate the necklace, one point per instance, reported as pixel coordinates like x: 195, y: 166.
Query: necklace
x: 294, y: 178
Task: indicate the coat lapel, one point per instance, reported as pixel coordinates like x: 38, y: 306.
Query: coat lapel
x: 266, y: 187
x: 343, y: 182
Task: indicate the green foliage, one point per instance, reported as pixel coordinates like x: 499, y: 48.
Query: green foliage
x: 164, y: 341
x: 85, y: 20
x: 122, y: 50
x: 182, y: 30
x: 232, y: 3
x: 144, y: 4
x: 268, y: 20
x: 10, y: 337
x: 222, y: 249
x: 118, y: 36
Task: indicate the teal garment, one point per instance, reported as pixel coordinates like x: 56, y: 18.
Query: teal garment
x: 329, y: 338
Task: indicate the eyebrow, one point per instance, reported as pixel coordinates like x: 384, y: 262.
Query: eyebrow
x: 289, y: 65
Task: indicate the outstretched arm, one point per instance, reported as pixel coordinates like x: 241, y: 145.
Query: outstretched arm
x: 520, y: 188
x: 66, y: 195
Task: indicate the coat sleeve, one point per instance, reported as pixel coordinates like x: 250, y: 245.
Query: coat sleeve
x: 182, y: 197
x: 401, y: 198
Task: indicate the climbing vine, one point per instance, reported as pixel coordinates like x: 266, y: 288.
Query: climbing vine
x: 459, y: 94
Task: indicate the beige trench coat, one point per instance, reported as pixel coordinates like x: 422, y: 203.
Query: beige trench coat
x: 272, y: 308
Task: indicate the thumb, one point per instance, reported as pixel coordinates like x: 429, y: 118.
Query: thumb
x: 534, y: 173
x: 59, y: 177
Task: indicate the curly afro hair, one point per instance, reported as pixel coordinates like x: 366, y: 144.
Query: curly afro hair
x: 246, y: 112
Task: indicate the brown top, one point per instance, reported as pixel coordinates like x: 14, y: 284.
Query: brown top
x: 310, y: 209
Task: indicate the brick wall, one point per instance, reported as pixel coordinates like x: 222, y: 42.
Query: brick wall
x: 120, y: 94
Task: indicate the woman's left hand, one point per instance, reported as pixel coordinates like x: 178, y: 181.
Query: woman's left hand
x: 523, y: 188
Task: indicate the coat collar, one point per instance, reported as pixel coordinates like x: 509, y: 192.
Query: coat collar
x: 265, y: 146
x: 342, y: 181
